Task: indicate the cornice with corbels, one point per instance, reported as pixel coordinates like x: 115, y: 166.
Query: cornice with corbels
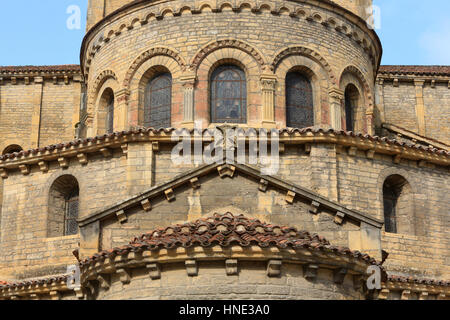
x: 82, y: 149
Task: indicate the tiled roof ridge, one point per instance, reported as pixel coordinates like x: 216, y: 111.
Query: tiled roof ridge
x: 77, y: 142
x: 415, y: 69
x: 390, y: 125
x: 44, y: 68
x: 411, y: 279
x: 37, y: 281
x: 226, y: 230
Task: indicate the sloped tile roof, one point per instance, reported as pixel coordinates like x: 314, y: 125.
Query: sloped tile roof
x: 42, y: 281
x: 168, y: 131
x: 416, y: 70
x: 226, y: 230
x: 26, y: 69
x: 403, y: 279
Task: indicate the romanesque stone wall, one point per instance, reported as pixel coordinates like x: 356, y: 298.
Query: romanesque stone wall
x: 122, y: 50
x: 212, y: 282
x: 39, y: 113
x: 416, y: 104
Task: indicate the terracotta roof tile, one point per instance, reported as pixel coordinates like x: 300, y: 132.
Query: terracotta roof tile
x: 41, y: 281
x: 416, y: 70
x: 226, y: 230
x: 403, y: 279
x: 25, y: 69
x: 167, y: 131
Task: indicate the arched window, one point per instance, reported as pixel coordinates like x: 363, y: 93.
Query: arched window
x: 351, y: 103
x: 228, y: 87
x: 110, y: 114
x: 63, y: 207
x: 299, y: 101
x: 158, y: 101
x: 106, y: 111
x: 12, y: 149
x: 398, y: 208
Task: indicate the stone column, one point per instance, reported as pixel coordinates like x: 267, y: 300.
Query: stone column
x: 188, y: 100
x: 336, y: 99
x: 268, y: 83
x: 420, y: 107
x: 121, y: 110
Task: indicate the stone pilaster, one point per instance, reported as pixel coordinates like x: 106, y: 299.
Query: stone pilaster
x: 420, y: 107
x: 36, y: 116
x: 188, y: 82
x: 336, y: 101
x: 268, y: 83
x: 121, y: 110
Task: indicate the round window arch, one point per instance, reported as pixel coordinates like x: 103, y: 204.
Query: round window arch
x: 228, y: 87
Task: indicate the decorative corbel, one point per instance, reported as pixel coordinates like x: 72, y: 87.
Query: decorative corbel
x: 125, y: 276
x: 155, y: 146
x: 104, y: 281
x: 352, y: 151
x: 383, y: 294
x: 397, y: 159
x: 226, y: 171
x: 106, y: 152
x: 154, y: 271
x: 25, y: 169
x: 146, y: 205
x: 339, y: 275
x: 43, y: 166
x: 370, y: 154
x: 310, y: 271
x: 396, y: 83
x: 191, y: 268
x: 423, y: 295
x: 3, y: 173
x: 290, y: 195
x: 314, y: 208
x: 339, y: 217
x: 406, y: 294
x: 121, y: 216
x: 82, y: 158
x: 55, y: 295
x: 63, y: 162
x: 274, y: 268
x: 231, y: 266
x: 170, y: 195
x: 263, y: 185
x: 195, y: 184
x: 124, y: 148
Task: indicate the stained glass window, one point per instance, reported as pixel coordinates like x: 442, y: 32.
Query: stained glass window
x: 110, y: 114
x: 351, y: 96
x: 390, y: 197
x: 71, y: 216
x: 158, y: 101
x: 299, y: 101
x: 228, y: 95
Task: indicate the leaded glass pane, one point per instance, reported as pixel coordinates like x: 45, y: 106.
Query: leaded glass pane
x: 110, y: 116
x: 348, y: 113
x: 228, y: 95
x: 299, y: 101
x: 158, y: 102
x: 71, y: 224
x: 390, y: 203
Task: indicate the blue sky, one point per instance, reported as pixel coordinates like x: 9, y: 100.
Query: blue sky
x: 34, y: 32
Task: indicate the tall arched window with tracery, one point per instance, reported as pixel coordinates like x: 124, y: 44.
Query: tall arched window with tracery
x: 299, y: 101
x: 351, y: 105
x: 228, y: 87
x: 63, y: 207
x: 158, y: 101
